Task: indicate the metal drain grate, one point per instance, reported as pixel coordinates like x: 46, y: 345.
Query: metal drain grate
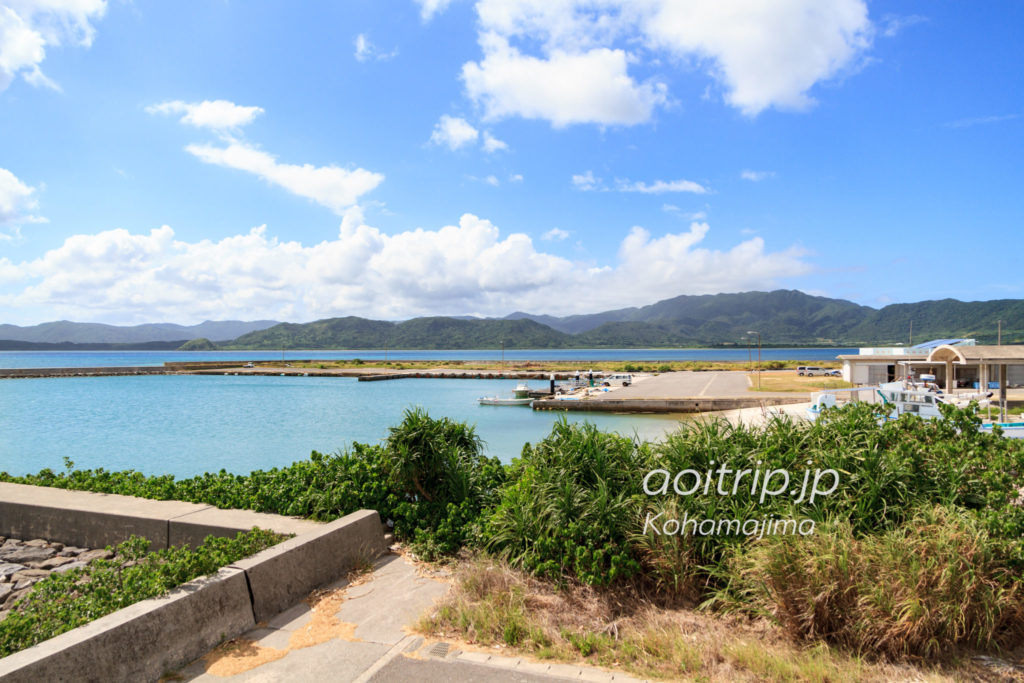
x: 439, y: 650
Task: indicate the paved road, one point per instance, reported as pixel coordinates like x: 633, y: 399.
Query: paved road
x: 717, y: 384
x: 362, y: 633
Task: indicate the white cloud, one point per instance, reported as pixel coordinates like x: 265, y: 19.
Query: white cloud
x: 661, y: 186
x: 493, y: 144
x: 333, y: 187
x: 366, y: 50
x: 565, y: 88
x: 756, y: 176
x: 893, y: 24
x: 28, y: 27
x: 218, y: 115
x: 453, y: 132
x: 492, y: 180
x: 467, y: 268
x: 516, y: 178
x: 17, y: 201
x: 429, y: 8
x: 981, y: 120
x: 568, y: 61
x: 587, y: 182
x: 555, y: 234
x: 765, y: 54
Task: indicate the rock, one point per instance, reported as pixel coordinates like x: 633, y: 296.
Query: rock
x: 5, y: 590
x: 57, y: 546
x: 27, y: 554
x: 37, y: 543
x: 10, y: 543
x: 7, y: 568
x: 25, y: 583
x: 91, y: 555
x: 77, y: 564
x: 51, y: 563
x: 71, y: 551
x: 4, y: 613
x: 14, y: 598
x: 30, y: 574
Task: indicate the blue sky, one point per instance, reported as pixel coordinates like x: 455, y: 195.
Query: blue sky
x: 214, y: 160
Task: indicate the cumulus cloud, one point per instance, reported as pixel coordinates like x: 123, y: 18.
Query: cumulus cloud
x: 555, y: 234
x: 756, y: 176
x: 17, y: 201
x: 429, y: 8
x: 466, y: 268
x: 564, y: 88
x: 333, y: 187
x: 218, y: 115
x: 453, y: 132
x: 569, y: 61
x: 28, y: 27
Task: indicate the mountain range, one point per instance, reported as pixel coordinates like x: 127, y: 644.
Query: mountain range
x: 781, y: 317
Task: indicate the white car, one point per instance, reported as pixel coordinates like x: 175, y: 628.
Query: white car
x: 811, y: 371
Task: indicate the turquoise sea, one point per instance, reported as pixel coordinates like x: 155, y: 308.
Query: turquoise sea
x: 189, y: 424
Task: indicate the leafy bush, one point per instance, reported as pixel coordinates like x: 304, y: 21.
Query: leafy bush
x: 571, y: 506
x: 938, y: 580
x: 63, y: 601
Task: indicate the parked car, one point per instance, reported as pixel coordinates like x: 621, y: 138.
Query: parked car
x: 812, y: 370
x: 835, y: 372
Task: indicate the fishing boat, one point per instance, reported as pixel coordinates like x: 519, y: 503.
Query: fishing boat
x: 520, y: 397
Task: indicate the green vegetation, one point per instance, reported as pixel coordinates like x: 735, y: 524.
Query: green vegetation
x: 201, y: 344
x: 63, y: 601
x: 917, y: 550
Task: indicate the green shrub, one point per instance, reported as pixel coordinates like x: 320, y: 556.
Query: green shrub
x: 571, y: 505
x: 63, y: 601
x: 938, y: 580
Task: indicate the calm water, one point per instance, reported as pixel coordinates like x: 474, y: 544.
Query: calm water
x: 67, y: 359
x: 186, y: 425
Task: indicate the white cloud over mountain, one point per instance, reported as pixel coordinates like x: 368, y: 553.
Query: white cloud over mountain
x: 570, y: 61
x: 456, y: 269
x: 28, y: 27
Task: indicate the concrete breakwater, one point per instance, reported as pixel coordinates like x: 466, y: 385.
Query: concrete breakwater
x: 12, y: 373
x: 664, y: 405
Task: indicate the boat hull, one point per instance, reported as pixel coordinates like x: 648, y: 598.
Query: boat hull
x: 505, y: 401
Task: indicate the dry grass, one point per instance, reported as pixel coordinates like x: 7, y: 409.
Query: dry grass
x: 788, y: 380
x: 492, y: 606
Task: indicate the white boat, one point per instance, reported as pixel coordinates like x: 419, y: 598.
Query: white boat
x: 520, y: 397
x: 898, y: 399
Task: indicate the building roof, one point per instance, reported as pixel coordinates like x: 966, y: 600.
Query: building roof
x: 935, y: 343
x: 1000, y: 355
x: 888, y: 358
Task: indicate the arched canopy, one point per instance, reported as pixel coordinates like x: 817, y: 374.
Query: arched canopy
x: 946, y: 353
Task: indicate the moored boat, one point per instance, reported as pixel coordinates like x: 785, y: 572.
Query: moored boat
x: 520, y: 397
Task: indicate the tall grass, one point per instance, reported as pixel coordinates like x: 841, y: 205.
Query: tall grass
x: 938, y: 581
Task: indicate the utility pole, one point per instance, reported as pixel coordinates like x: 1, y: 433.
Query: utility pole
x: 758, y: 357
x: 999, y: 337
x: 911, y: 333
x: 503, y: 356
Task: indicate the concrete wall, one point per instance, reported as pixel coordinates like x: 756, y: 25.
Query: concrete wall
x: 145, y: 640
x: 96, y: 520
x: 142, y: 641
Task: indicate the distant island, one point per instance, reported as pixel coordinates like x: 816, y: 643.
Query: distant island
x: 782, y: 317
